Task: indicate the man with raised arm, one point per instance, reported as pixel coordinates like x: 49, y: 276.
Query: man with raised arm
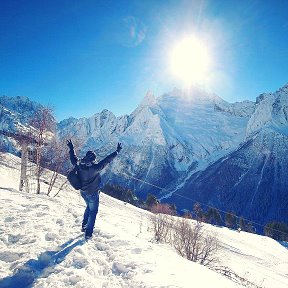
x: 89, y: 174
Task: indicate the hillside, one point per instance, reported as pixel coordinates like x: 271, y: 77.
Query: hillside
x: 40, y: 244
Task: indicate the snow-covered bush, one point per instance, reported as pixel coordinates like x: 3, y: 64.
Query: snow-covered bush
x: 188, y: 238
x: 162, y: 222
x: 194, y: 243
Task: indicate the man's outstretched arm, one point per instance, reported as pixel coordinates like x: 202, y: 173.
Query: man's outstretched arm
x: 103, y: 163
x: 73, y: 157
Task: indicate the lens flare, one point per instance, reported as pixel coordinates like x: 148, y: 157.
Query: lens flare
x: 190, y: 61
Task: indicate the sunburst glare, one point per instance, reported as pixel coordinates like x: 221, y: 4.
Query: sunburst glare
x: 190, y: 61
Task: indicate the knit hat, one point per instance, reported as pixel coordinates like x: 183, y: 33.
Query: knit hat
x: 90, y: 156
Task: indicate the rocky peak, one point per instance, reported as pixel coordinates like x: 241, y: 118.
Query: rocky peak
x: 271, y: 112
x: 149, y: 100
x: 283, y: 89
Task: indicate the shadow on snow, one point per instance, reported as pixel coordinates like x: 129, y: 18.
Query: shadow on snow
x: 28, y: 273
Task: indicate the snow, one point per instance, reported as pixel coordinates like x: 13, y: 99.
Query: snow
x: 41, y: 245
x: 206, y: 129
x: 271, y: 111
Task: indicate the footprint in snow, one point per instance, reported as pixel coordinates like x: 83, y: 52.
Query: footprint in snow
x: 119, y: 243
x: 119, y: 268
x: 74, y: 213
x: 10, y: 257
x: 50, y: 236
x: 40, y: 214
x: 27, y: 240
x: 102, y: 246
x: 136, y: 251
x: 9, y: 219
x: 74, y: 279
x: 79, y: 262
x: 60, y: 222
x: 105, y: 234
x: 12, y: 239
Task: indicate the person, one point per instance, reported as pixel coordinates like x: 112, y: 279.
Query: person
x: 89, y: 173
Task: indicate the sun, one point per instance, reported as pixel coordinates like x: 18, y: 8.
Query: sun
x: 190, y: 60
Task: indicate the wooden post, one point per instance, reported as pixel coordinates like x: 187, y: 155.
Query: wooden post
x: 24, y: 140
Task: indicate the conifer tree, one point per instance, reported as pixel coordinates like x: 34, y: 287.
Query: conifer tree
x: 230, y: 220
x: 198, y: 212
x: 151, y: 200
x: 213, y: 216
x: 242, y: 224
x: 276, y: 230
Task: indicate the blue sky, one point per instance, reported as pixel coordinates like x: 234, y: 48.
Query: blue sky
x: 84, y: 56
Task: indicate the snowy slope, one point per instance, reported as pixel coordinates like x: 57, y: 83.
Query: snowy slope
x: 40, y: 244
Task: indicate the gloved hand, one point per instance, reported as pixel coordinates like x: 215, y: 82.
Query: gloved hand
x: 119, y: 147
x: 70, y: 144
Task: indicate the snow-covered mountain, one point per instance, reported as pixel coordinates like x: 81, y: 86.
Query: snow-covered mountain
x: 271, y: 112
x: 197, y: 145
x: 166, y: 136
x: 41, y: 245
x: 21, y: 116
x: 15, y: 115
x: 252, y: 180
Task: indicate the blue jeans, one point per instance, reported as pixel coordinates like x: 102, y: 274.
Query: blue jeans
x: 92, y: 204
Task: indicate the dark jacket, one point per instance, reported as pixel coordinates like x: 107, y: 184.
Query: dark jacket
x: 89, y: 172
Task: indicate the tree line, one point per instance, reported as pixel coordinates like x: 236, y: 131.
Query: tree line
x: 274, y: 229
